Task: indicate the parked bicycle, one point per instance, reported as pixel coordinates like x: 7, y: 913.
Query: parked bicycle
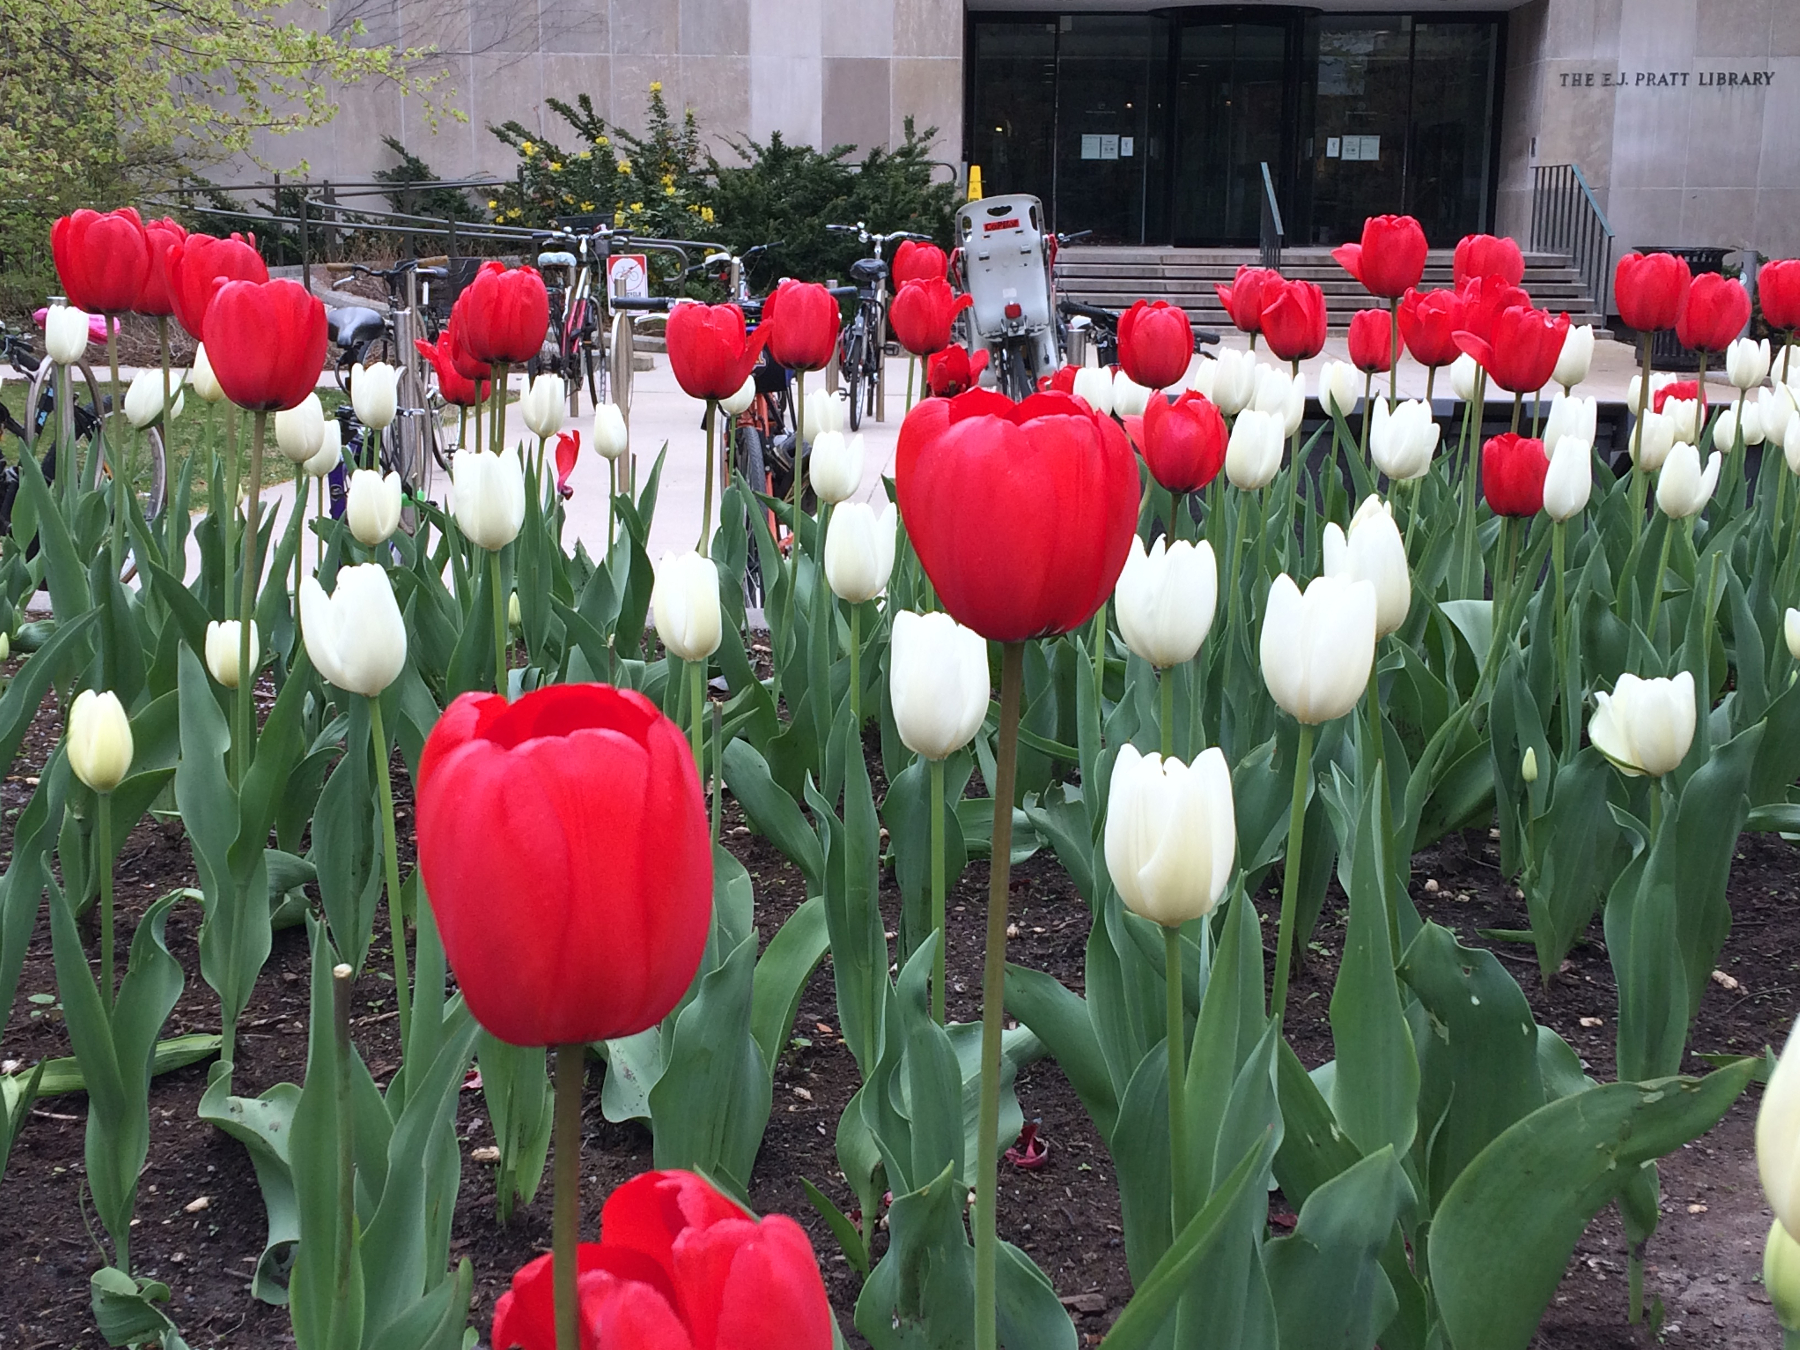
x: 1081, y: 325
x: 863, y: 341
x: 574, y: 266
x: 364, y: 335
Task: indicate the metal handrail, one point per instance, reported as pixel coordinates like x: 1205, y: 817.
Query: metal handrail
x: 1566, y: 218
x: 1271, y: 228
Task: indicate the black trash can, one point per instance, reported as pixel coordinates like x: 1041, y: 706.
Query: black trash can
x: 1666, y: 351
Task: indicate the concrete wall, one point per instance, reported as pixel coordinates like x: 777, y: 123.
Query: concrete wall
x: 1682, y: 114
x: 821, y: 72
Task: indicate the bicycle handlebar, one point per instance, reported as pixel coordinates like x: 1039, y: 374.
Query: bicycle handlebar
x: 644, y: 304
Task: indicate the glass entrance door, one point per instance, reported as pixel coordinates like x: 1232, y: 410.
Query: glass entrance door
x: 1230, y: 96
x: 1103, y: 102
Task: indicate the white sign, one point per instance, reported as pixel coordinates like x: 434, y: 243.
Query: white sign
x: 628, y: 274
x: 1364, y: 148
x: 1125, y: 146
x: 1331, y: 147
x: 1109, y: 147
x: 1090, y: 147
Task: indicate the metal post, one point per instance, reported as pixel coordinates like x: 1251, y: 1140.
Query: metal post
x: 305, y: 257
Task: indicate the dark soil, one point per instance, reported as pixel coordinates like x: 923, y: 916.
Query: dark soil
x: 1705, y: 1262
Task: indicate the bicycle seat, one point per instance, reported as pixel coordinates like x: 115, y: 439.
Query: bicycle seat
x: 353, y: 325
x: 868, y: 271
x: 558, y: 258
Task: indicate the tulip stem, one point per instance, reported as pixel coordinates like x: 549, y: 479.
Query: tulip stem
x: 1393, y: 353
x: 65, y: 440
x: 246, y: 707
x: 500, y: 653
x: 937, y: 888
x: 103, y: 857
x: 390, y: 857
x: 696, y: 708
x: 119, y: 484
x: 1290, y: 871
x: 1656, y: 584
x: 856, y: 667
x: 299, y: 538
x: 1639, y: 489
x: 712, y: 420
x: 341, y: 977
x: 1294, y: 450
x: 1473, y: 416
x: 993, y: 996
x: 1558, y: 534
x: 1518, y: 407
x: 565, y: 1219
x: 1165, y: 680
x: 912, y: 363
x: 1177, y: 1048
x: 228, y: 508
x: 1100, y: 662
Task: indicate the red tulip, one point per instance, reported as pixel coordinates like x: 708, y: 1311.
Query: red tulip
x: 455, y: 386
x: 1521, y: 352
x: 1021, y: 514
x: 1156, y: 342
x: 268, y: 343
x: 709, y: 350
x: 802, y: 321
x: 568, y: 448
x: 194, y: 268
x: 1061, y: 380
x: 1713, y: 312
x: 1512, y: 474
x: 1677, y: 389
x: 1482, y: 300
x: 914, y: 261
x: 1779, y: 286
x: 1648, y: 288
x: 922, y: 313
x: 101, y: 259
x: 505, y: 314
x: 564, y: 844
x: 952, y: 371
x: 1390, y: 258
x: 678, y: 1267
x: 1293, y: 319
x: 1428, y: 324
x: 1486, y: 255
x: 1243, y: 298
x: 1184, y: 441
x: 154, y: 298
x: 1372, y: 340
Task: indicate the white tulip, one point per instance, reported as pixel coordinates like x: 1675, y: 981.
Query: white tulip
x: 355, y: 636
x: 1658, y: 379
x: 1684, y: 419
x: 738, y: 402
x: 1790, y: 629
x: 1781, y: 1275
x: 1778, y: 1137
x: 825, y: 411
x: 1790, y: 445
x: 1576, y: 356
x: 1253, y: 454
x: 222, y: 650
x: 1747, y: 362
x: 1340, y: 386
x: 1725, y: 426
x: 372, y: 509
x: 144, y: 398
x: 489, y: 493
x: 938, y: 682
x: 1165, y: 599
x: 65, y: 334
x: 1651, y: 441
x: 300, y: 431
x: 859, y: 550
x: 1577, y: 417
x: 1777, y: 409
x: 1645, y: 726
x: 1280, y: 393
x: 1171, y: 834
x: 685, y: 604
x: 204, y: 382
x: 1465, y: 373
x: 1129, y: 397
x: 835, y: 466
x: 375, y: 394
x: 1095, y: 385
x: 99, y: 739
x: 1317, y: 648
x: 1403, y: 441
x: 1683, y: 488
x: 545, y: 401
x: 1230, y: 380
x: 330, y: 453
x: 1373, y: 551
x: 1570, y: 480
x: 611, y: 439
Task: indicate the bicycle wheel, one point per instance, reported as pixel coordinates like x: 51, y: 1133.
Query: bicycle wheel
x: 1016, y: 373
x: 749, y: 463
x: 855, y: 359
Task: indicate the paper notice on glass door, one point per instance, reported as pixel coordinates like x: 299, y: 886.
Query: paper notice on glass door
x: 1109, y: 147
x: 1090, y: 147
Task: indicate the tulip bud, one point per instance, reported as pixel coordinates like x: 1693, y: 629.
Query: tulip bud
x: 144, y: 398
x: 65, y: 334
x: 300, y: 430
x: 1570, y: 480
x: 1682, y: 488
x: 1253, y: 454
x: 859, y: 550
x: 1129, y: 398
x: 1528, y: 768
x: 373, y: 508
x: 1651, y: 441
x: 515, y: 617
x: 330, y: 452
x: 1095, y: 384
x: 825, y: 411
x: 742, y: 399
x: 1171, y: 834
x: 1645, y: 726
x: 1465, y: 373
x: 489, y: 492
x: 546, y: 399
x: 1317, y: 648
x: 1576, y: 356
x: 1231, y: 378
x: 1340, y: 386
x: 937, y: 681
x: 99, y: 736
x: 1725, y: 427
x: 1747, y: 362
x: 685, y: 604
x: 1790, y: 629
x: 1282, y: 394
x: 5, y: 645
x: 204, y: 382
x: 355, y: 636
x: 375, y: 394
x: 835, y: 466
x: 1684, y: 419
x: 1578, y: 417
x: 1373, y: 551
x: 1166, y: 598
x: 611, y: 439
x: 1402, y: 442
x: 1778, y: 1137
x: 222, y: 650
